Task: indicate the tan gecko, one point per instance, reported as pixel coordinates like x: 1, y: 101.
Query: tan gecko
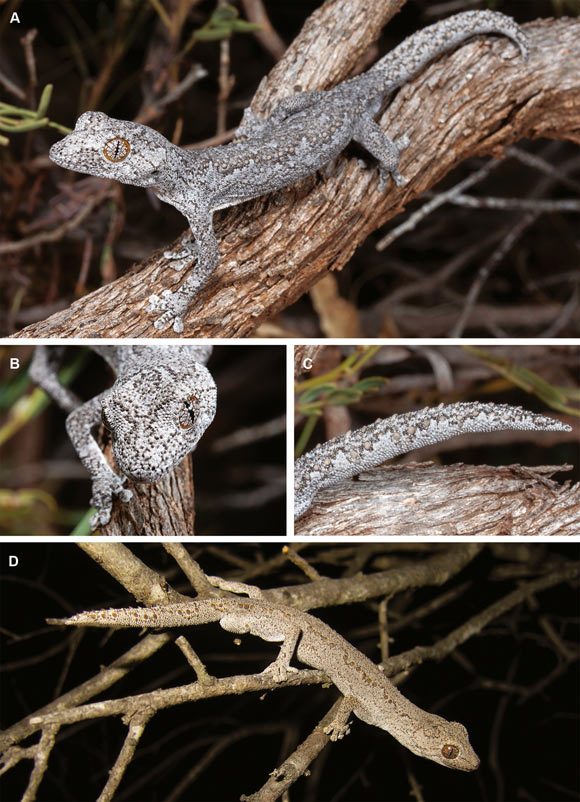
x: 367, y: 691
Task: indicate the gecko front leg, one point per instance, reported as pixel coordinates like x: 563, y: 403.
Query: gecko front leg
x: 340, y: 725
x: 43, y: 371
x: 173, y: 305
x: 106, y: 483
x: 268, y: 630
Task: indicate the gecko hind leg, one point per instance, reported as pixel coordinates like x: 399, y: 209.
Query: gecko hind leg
x: 387, y: 152
x: 253, y: 127
x: 273, y: 632
x: 261, y: 627
x: 340, y: 725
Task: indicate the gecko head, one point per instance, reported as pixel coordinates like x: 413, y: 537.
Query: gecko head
x: 445, y: 742
x: 128, y: 152
x: 156, y: 421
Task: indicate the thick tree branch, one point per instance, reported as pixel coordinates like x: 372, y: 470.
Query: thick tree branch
x: 428, y: 499
x: 164, y: 508
x: 472, y: 102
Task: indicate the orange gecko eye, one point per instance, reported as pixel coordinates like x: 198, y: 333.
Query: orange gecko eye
x: 187, y: 419
x: 116, y: 149
x: 450, y: 752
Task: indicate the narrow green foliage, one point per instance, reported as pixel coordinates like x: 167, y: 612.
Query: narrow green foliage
x: 222, y: 24
x: 329, y: 390
x: 555, y: 397
x: 15, y: 119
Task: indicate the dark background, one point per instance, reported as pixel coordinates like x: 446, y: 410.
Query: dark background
x: 509, y: 685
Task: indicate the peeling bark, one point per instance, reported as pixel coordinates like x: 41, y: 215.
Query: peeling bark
x: 434, y: 500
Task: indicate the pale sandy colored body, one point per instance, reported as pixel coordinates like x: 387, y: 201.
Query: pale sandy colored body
x: 367, y: 691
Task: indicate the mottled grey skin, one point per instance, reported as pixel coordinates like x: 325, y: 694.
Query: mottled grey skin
x: 367, y: 691
x: 161, y: 403
x: 345, y: 456
x: 302, y: 134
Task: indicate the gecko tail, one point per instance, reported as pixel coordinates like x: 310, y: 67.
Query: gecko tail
x: 409, y: 58
x: 114, y: 617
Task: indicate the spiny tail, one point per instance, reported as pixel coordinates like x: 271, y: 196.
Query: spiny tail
x: 130, y: 616
x: 409, y: 58
x: 370, y: 446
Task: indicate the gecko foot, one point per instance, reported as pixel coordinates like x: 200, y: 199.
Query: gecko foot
x: 173, y: 309
x: 251, y: 126
x: 104, y: 488
x: 279, y: 671
x: 390, y: 167
x: 337, y: 730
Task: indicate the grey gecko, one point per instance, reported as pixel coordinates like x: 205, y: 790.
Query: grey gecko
x: 345, y: 456
x: 161, y: 403
x: 302, y: 134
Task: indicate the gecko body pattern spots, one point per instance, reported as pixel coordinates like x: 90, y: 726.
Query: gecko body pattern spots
x: 348, y: 455
x: 303, y: 133
x: 157, y: 389
x: 370, y: 695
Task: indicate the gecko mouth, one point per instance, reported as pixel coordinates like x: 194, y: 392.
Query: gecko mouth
x: 146, y: 474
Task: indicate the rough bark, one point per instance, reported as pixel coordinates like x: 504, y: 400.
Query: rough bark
x: 473, y: 102
x: 434, y: 500
x: 158, y: 509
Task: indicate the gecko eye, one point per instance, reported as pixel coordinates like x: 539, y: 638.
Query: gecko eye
x: 116, y: 149
x: 450, y: 751
x: 187, y: 417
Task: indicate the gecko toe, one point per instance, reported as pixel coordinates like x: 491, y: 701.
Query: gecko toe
x: 399, y: 179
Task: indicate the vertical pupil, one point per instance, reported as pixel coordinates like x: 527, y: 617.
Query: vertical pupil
x: 190, y: 410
